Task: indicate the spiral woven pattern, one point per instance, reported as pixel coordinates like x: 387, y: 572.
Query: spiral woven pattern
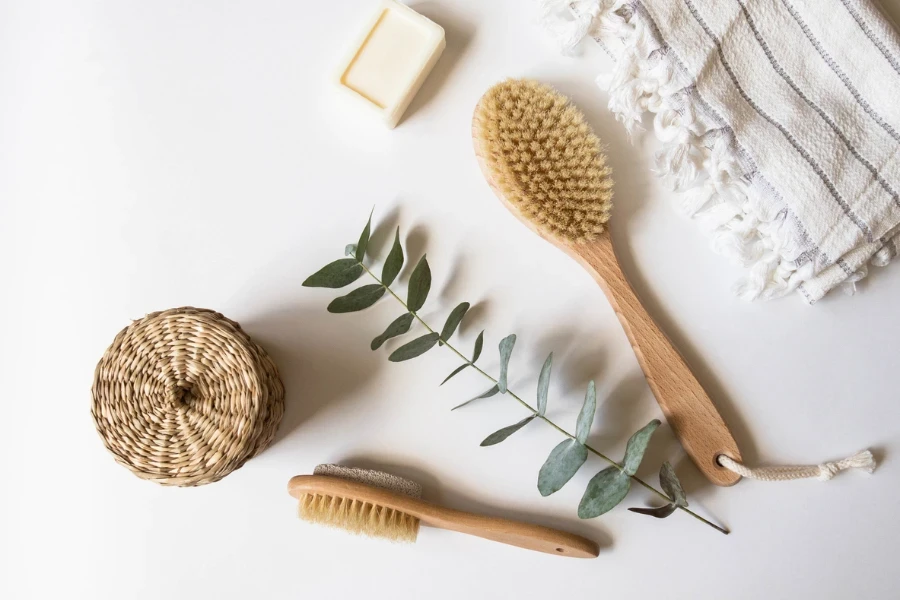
x: 184, y: 397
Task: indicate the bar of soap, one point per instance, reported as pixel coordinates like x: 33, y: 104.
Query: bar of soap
x: 391, y: 59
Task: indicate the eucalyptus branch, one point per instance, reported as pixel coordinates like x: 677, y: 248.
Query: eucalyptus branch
x: 534, y: 411
x: 606, y: 489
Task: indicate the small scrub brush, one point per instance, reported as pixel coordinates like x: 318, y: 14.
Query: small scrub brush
x: 383, y: 505
x: 540, y: 156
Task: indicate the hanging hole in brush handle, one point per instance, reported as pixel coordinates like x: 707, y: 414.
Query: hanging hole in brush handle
x: 690, y: 412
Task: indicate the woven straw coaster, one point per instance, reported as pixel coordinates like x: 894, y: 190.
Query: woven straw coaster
x: 184, y: 397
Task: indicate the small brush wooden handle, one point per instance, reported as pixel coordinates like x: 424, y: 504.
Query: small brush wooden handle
x: 688, y: 408
x: 506, y: 531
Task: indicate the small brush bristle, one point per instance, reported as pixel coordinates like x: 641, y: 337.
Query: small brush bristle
x: 542, y: 156
x: 362, y: 518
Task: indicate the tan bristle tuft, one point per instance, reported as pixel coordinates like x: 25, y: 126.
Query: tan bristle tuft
x: 363, y: 518
x: 543, y: 158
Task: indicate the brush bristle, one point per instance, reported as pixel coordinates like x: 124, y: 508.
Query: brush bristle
x: 542, y: 156
x: 363, y: 518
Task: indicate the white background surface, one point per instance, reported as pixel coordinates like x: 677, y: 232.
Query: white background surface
x: 160, y: 154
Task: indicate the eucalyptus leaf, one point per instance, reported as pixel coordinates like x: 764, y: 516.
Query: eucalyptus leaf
x: 455, y: 372
x: 586, y: 416
x: 660, y: 512
x: 399, y: 326
x: 453, y: 321
x: 394, y: 261
x: 350, y: 250
x: 337, y: 274
x: 363, y: 244
x: 501, y: 434
x: 670, y: 484
x: 672, y: 487
x: 562, y: 464
x: 479, y: 344
x: 419, y: 285
x: 417, y: 347
x: 637, y: 445
x: 358, y: 299
x: 506, y: 348
x: 604, y: 492
x: 493, y: 391
x: 544, y: 385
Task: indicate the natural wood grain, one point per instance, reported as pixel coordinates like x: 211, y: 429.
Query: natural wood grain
x: 689, y: 410
x: 506, y: 531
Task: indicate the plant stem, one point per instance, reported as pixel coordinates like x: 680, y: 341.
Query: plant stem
x: 535, y: 412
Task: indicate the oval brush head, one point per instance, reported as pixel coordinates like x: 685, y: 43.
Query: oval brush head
x: 540, y: 155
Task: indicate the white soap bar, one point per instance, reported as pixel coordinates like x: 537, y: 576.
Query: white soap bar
x: 391, y: 59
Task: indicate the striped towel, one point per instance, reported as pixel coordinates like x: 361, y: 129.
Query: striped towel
x: 779, y: 122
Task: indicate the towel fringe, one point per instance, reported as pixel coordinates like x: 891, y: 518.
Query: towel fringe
x: 569, y: 32
x: 719, y: 185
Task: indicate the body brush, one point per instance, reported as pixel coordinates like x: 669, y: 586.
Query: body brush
x: 543, y: 161
x: 383, y: 505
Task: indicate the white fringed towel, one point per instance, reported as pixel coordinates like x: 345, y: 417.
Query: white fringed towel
x: 779, y: 119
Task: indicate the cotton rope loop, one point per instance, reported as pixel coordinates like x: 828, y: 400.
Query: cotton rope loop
x: 823, y: 472
x: 184, y: 397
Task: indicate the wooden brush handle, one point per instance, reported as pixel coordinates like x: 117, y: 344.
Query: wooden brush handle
x: 506, y: 531
x: 688, y: 408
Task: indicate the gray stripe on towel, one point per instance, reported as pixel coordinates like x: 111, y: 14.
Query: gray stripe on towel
x: 837, y: 71
x: 805, y: 239
x: 818, y: 170
x: 871, y: 35
x: 845, y: 267
x: 787, y: 78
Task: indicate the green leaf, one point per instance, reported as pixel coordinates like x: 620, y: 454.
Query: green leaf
x: 338, y: 274
x: 415, y: 348
x: 544, y: 385
x: 562, y: 464
x: 453, y: 321
x: 506, y: 348
x: 350, y: 250
x: 399, y: 326
x: 419, y: 285
x: 491, y: 392
x: 634, y: 451
x: 672, y: 487
x: 394, y: 261
x: 479, y: 344
x: 670, y: 484
x: 586, y: 416
x: 501, y: 434
x: 604, y: 492
x: 455, y: 371
x: 363, y: 244
x: 358, y: 299
x: 660, y: 512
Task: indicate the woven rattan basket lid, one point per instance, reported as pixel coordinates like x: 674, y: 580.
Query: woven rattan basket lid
x: 184, y: 397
